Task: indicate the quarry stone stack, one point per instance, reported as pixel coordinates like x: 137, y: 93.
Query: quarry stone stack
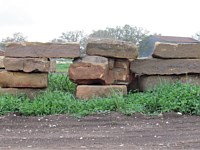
x: 27, y: 65
x: 106, y: 67
x: 169, y: 63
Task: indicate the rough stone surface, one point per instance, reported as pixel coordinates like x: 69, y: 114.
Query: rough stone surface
x: 31, y: 93
x: 23, y: 80
x: 165, y: 66
x: 111, y: 48
x: 43, y: 50
x: 122, y: 63
x: 89, y: 70
x: 1, y: 62
x: 150, y: 82
x: 2, y: 53
x: 27, y: 64
x: 121, y: 76
x: 52, y: 67
x: 166, y: 50
x: 89, y: 91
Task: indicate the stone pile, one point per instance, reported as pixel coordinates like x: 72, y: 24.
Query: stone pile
x: 2, y: 54
x: 105, y: 69
x: 169, y: 63
x: 27, y: 65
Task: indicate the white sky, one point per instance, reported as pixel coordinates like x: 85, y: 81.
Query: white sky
x: 44, y: 20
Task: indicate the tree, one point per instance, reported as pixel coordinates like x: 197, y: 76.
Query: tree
x: 73, y: 36
x: 17, y: 37
x: 126, y: 33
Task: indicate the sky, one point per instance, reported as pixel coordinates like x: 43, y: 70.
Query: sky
x: 44, y: 20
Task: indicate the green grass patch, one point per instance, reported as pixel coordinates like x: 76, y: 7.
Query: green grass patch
x: 63, y: 66
x: 59, y: 99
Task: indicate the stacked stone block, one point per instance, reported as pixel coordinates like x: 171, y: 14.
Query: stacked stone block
x: 105, y: 69
x: 27, y: 65
x: 169, y: 63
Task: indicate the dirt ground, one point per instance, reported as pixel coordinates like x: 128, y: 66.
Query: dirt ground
x: 110, y: 131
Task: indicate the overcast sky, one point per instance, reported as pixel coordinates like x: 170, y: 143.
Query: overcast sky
x: 43, y: 20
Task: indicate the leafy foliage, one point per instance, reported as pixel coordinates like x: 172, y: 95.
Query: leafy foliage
x: 17, y: 37
x: 177, y: 97
x: 126, y: 33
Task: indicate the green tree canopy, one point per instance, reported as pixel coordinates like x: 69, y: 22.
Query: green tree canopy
x: 16, y: 37
x: 126, y: 33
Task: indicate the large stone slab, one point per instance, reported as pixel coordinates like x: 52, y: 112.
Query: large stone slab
x: 52, y: 68
x: 150, y: 82
x: 27, y: 64
x: 165, y: 66
x: 1, y: 62
x: 89, y: 70
x: 2, y: 53
x: 43, y: 50
x: 23, y: 80
x: 111, y: 48
x: 89, y: 91
x: 167, y: 50
x: 31, y: 93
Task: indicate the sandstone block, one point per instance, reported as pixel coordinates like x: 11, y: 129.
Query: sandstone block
x: 150, y: 82
x: 2, y: 53
x: 121, y: 76
x: 23, y: 80
x: 122, y: 63
x: 89, y: 70
x: 31, y: 93
x: 167, y: 50
x: 89, y: 91
x: 1, y: 62
x: 52, y: 67
x: 43, y: 50
x: 111, y: 48
x: 165, y: 66
x: 27, y: 64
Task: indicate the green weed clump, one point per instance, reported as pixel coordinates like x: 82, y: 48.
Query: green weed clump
x: 59, y: 99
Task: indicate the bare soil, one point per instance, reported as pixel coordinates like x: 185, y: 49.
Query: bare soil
x: 110, y: 131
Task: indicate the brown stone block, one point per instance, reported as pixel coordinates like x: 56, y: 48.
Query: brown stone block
x: 167, y: 50
x: 89, y: 91
x: 2, y: 53
x: 89, y: 70
x: 43, y: 50
x: 31, y: 93
x: 1, y: 62
x: 165, y: 66
x: 23, y: 80
x: 121, y: 76
x: 52, y: 67
x: 150, y: 82
x: 27, y: 64
x: 111, y: 48
x: 122, y: 63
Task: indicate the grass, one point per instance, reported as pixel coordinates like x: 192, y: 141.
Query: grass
x: 63, y: 66
x: 59, y: 99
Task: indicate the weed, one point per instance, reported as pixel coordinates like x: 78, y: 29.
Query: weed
x: 59, y: 99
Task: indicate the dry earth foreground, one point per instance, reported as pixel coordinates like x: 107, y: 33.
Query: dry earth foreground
x: 109, y: 131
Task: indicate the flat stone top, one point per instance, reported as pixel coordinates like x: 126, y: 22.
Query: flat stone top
x: 111, y: 48
x: 155, y: 66
x: 171, y: 50
x: 47, y: 50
